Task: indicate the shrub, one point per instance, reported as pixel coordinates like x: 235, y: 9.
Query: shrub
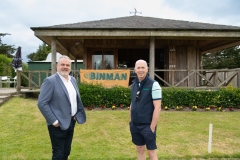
x: 225, y: 97
x: 5, y: 68
x: 97, y: 95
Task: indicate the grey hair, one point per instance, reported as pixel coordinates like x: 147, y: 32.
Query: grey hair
x: 64, y: 57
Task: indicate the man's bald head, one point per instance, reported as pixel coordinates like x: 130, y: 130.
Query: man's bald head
x: 142, y: 62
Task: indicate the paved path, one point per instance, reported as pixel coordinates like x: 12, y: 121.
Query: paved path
x: 7, y: 93
x: 13, y: 90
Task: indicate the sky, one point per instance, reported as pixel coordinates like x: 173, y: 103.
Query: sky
x: 18, y: 16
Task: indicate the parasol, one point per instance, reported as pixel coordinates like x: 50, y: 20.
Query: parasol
x: 17, y: 60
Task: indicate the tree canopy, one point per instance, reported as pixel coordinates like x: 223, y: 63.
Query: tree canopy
x: 226, y: 58
x: 41, y: 53
x: 5, y: 68
x: 5, y: 49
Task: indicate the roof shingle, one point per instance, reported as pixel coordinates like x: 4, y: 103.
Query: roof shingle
x: 140, y: 22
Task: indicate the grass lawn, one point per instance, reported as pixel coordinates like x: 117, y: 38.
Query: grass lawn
x: 106, y: 136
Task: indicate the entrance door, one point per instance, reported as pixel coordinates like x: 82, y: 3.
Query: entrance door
x: 103, y: 60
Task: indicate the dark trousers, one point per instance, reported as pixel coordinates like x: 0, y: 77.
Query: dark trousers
x: 61, y: 141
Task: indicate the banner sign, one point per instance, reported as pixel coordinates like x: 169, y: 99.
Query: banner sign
x: 107, y: 78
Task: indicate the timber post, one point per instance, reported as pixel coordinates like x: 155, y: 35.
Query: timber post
x: 54, y: 53
x: 18, y: 81
x: 152, y: 57
x: 238, y: 78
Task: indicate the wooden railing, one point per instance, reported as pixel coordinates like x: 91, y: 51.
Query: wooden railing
x: 33, y: 79
x: 199, y: 78
x: 167, y: 78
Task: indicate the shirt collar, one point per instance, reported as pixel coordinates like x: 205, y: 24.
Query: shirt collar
x: 143, y: 81
x: 63, y: 79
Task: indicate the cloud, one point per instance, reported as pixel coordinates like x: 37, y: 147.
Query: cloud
x: 225, y: 12
x: 16, y: 17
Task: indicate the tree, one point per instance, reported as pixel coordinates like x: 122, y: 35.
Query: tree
x: 5, y: 49
x: 41, y: 53
x: 5, y: 68
x: 226, y: 58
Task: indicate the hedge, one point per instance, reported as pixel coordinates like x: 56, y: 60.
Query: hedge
x: 96, y: 96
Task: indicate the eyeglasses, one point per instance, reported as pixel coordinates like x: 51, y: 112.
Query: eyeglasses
x: 137, y: 96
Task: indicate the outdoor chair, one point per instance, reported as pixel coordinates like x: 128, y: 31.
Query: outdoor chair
x: 15, y: 81
x: 7, y: 80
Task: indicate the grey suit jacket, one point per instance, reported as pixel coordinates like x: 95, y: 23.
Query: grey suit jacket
x: 54, y: 102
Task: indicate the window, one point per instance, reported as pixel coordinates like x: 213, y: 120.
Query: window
x: 103, y: 60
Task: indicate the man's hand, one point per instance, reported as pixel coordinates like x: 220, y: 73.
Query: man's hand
x: 56, y: 125
x: 152, y: 129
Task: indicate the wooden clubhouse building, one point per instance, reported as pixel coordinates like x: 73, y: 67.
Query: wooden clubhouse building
x: 172, y: 48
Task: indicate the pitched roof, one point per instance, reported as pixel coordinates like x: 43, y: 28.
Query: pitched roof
x: 141, y: 23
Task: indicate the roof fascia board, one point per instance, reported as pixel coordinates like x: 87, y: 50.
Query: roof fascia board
x: 130, y: 33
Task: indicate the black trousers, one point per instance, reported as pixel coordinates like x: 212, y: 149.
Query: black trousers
x: 61, y: 141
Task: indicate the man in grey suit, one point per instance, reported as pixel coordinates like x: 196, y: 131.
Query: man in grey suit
x: 60, y: 104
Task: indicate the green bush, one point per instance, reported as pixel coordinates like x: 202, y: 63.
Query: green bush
x: 224, y: 97
x: 97, y: 95
x: 229, y: 97
x: 5, y: 68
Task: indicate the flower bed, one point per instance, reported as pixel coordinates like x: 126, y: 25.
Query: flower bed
x: 201, y: 109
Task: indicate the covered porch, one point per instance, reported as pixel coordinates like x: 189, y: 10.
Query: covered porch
x: 172, y: 48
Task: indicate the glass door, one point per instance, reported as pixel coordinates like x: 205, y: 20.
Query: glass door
x: 97, y: 60
x: 103, y: 60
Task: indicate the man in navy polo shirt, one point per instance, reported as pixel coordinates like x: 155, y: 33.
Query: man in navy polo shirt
x: 145, y: 110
